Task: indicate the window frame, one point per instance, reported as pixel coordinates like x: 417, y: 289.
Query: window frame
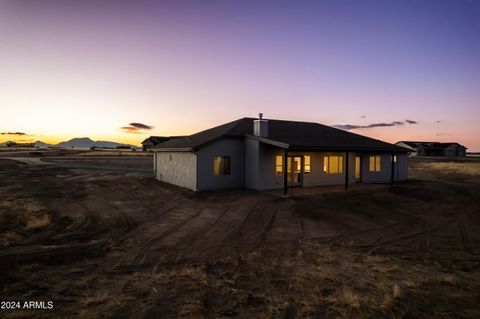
x: 377, y: 164
x: 327, y: 164
x: 278, y: 167
x: 227, y: 168
x: 307, y: 168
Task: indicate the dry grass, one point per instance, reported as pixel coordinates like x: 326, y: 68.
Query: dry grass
x: 93, y: 298
x: 448, y: 278
x: 38, y: 222
x: 18, y: 217
x: 311, y: 278
x: 346, y: 297
x: 467, y: 168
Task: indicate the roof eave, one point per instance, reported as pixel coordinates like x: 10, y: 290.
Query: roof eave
x: 172, y: 149
x: 268, y: 141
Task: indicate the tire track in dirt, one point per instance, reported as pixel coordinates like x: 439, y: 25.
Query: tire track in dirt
x: 253, y: 226
x: 140, y: 258
x: 224, y: 227
x: 424, y: 239
x: 408, y: 236
x: 467, y: 244
x: 194, y: 236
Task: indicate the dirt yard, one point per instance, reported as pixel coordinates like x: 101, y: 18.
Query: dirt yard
x: 112, y: 244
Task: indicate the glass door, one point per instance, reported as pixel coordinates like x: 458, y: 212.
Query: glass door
x: 358, y: 168
x: 294, y: 171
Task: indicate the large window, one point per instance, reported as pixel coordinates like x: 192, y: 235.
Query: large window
x: 375, y: 164
x: 333, y: 164
x: 307, y: 164
x: 278, y: 165
x: 221, y: 165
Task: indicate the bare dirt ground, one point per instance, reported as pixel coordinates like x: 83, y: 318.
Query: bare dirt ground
x: 112, y: 244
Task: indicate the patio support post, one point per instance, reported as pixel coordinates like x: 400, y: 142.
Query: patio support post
x: 285, y: 156
x: 392, y: 181
x: 346, y: 170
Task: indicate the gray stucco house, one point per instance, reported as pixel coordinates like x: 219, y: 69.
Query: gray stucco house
x: 263, y: 154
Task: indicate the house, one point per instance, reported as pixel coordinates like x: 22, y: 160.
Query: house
x: 21, y: 145
x: 452, y: 149
x: 263, y: 154
x: 151, y: 141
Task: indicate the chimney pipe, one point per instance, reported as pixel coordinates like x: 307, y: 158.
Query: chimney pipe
x: 260, y: 126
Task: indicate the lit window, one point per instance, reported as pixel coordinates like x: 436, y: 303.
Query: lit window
x: 333, y: 164
x: 279, y: 164
x: 375, y: 164
x: 306, y: 164
x: 395, y: 158
x: 221, y: 165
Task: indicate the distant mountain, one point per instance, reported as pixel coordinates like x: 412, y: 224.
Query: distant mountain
x: 41, y: 144
x: 86, y: 142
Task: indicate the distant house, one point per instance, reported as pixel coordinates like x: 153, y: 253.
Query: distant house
x: 151, y: 141
x: 265, y: 154
x: 452, y: 149
x: 21, y: 145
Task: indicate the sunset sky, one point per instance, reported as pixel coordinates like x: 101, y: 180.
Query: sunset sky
x: 90, y: 68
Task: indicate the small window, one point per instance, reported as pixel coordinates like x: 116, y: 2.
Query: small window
x: 333, y: 164
x: 221, y: 165
x: 395, y: 158
x: 278, y: 165
x: 375, y: 164
x: 306, y: 164
x: 171, y: 157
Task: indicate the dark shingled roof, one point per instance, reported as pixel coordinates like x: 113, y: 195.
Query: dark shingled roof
x: 159, y: 139
x: 298, y: 136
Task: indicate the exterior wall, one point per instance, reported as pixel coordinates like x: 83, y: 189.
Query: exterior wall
x: 385, y: 174
x: 251, y: 163
x: 267, y: 178
x: 233, y: 147
x: 180, y: 171
x: 401, y: 167
x: 317, y: 177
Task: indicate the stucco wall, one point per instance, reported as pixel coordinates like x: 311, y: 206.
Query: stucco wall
x: 251, y: 163
x: 385, y: 174
x: 317, y: 177
x: 233, y: 147
x: 180, y: 171
x: 401, y: 169
x: 267, y: 178
x: 253, y: 166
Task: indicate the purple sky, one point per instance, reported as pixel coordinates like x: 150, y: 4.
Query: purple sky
x: 89, y: 68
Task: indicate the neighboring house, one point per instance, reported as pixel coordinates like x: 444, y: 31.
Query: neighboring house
x: 152, y: 141
x: 265, y: 154
x: 23, y: 145
x: 434, y: 149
